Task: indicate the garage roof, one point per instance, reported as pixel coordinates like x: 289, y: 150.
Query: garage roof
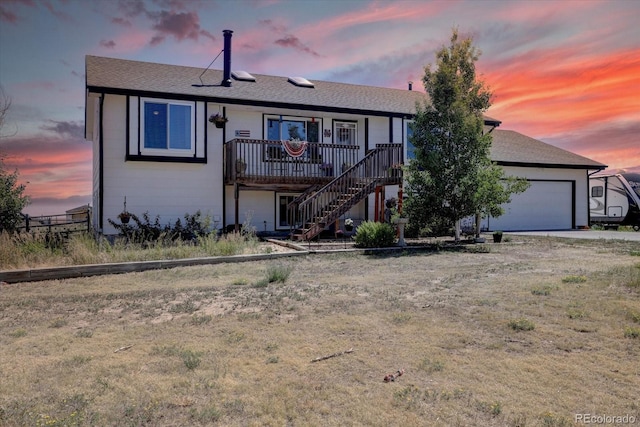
x: 510, y: 148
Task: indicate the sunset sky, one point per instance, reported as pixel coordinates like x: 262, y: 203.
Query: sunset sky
x: 564, y: 72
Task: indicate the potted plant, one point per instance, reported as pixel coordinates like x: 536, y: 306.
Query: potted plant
x: 218, y: 120
x: 124, y: 216
x: 348, y: 224
x: 241, y: 166
x: 497, y: 236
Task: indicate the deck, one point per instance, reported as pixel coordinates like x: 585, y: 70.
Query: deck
x: 267, y: 164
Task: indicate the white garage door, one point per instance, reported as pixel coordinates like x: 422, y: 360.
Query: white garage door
x: 546, y: 205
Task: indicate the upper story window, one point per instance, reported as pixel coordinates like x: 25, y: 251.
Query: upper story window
x: 287, y: 128
x: 346, y: 133
x: 411, y: 149
x: 168, y: 127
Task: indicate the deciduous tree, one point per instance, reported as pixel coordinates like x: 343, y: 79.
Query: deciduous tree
x: 452, y: 175
x: 12, y: 198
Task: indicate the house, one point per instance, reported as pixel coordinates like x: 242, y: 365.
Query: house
x: 275, y: 152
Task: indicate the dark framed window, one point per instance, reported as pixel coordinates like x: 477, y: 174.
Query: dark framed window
x: 293, y: 128
x: 597, y: 191
x: 167, y: 127
x: 288, y: 128
x: 282, y: 213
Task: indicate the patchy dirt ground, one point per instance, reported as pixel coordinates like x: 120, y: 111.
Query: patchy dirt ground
x: 525, y: 333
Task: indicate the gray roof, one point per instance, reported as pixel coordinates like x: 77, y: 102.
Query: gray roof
x: 125, y: 76
x: 136, y: 76
x: 510, y: 147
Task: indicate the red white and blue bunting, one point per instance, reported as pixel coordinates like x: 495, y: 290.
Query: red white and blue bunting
x: 295, y: 148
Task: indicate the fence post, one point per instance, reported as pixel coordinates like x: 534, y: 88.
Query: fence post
x: 88, y: 221
x: 26, y: 222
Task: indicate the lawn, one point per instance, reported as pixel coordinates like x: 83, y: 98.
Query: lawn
x: 531, y: 332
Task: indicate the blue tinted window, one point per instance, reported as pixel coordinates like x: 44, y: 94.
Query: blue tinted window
x: 411, y: 149
x: 180, y: 127
x: 167, y: 126
x: 285, y: 129
x: 155, y: 125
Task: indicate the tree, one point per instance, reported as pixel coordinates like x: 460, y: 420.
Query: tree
x: 12, y: 200
x: 452, y: 175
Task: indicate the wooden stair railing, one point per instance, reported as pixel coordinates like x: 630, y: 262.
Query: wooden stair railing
x: 322, y: 207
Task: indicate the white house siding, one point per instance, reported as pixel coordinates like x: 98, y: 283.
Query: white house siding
x: 168, y: 189
x: 254, y: 208
x: 378, y: 131
x: 547, y: 204
x: 240, y: 120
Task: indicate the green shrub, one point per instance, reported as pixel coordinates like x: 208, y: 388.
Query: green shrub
x: 542, y: 290
x: 191, y: 359
x: 522, y: 325
x: 631, y: 332
x: 375, y: 235
x: 574, y: 279
x: 278, y: 273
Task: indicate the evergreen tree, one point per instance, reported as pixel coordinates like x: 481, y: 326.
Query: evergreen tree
x: 452, y: 176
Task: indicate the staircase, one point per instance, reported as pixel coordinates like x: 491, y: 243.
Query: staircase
x: 313, y: 211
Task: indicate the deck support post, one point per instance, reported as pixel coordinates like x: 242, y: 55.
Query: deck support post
x: 236, y: 197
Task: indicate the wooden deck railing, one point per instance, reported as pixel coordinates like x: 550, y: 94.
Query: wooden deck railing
x: 261, y: 161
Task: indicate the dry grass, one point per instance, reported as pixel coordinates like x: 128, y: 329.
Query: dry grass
x: 37, y: 250
x: 215, y: 345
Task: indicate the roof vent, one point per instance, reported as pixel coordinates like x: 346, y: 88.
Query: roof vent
x: 300, y: 81
x: 243, y: 76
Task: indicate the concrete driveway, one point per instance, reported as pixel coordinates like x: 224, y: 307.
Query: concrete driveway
x: 633, y: 236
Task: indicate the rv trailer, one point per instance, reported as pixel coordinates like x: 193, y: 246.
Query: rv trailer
x: 615, y: 200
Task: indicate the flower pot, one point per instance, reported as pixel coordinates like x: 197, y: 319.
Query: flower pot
x: 348, y: 227
x: 219, y: 125
x: 497, y: 237
x: 124, y: 219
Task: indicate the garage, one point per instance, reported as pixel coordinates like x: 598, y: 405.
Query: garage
x: 546, y: 205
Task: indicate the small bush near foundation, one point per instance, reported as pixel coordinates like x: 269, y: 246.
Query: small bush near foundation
x: 375, y: 235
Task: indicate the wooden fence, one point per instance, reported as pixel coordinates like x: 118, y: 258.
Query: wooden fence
x: 61, y: 223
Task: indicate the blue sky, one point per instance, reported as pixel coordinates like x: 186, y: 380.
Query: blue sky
x: 566, y: 73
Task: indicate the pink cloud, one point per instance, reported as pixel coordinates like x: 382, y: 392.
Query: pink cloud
x: 50, y: 166
x: 548, y: 95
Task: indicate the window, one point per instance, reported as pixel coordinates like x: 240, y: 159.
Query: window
x: 283, y: 212
x: 290, y: 128
x: 597, y: 191
x: 411, y: 149
x: 287, y: 128
x: 346, y: 133
x: 167, y: 127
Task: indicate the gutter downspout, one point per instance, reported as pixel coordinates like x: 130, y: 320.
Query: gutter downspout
x: 101, y: 165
